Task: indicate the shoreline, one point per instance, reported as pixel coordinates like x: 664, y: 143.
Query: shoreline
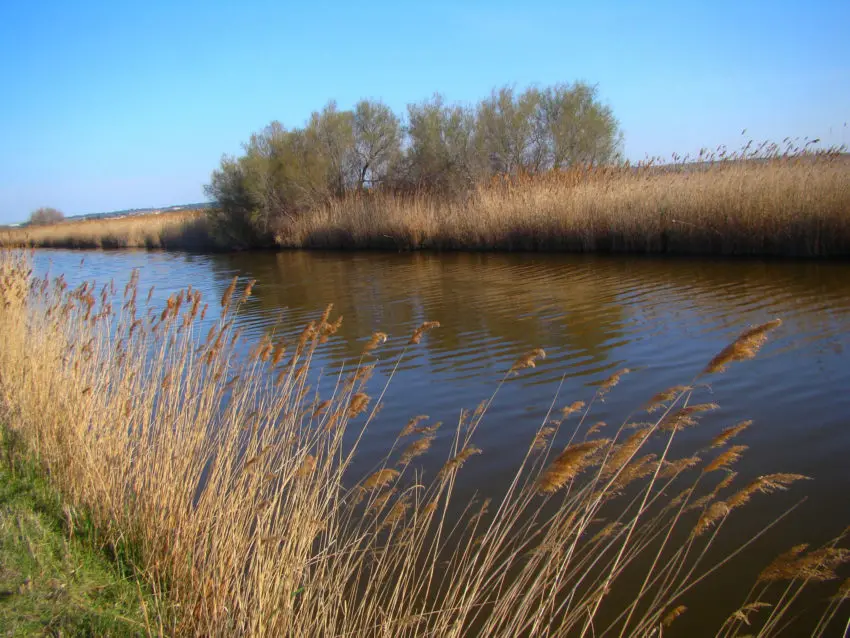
x: 785, y: 208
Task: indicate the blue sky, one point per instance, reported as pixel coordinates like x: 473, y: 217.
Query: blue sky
x: 124, y: 104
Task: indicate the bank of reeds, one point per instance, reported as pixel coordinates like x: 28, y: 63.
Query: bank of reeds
x: 782, y: 207
x: 231, y: 478
x: 183, y: 230
x: 787, y: 206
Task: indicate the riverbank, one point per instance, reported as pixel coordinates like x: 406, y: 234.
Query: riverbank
x: 788, y: 207
x: 54, y: 578
x: 227, y: 463
x: 184, y: 230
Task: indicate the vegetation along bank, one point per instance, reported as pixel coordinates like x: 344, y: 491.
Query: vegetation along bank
x: 529, y: 170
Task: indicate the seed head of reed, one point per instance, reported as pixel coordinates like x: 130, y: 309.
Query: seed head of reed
x: 606, y: 532
x: 411, y: 426
x: 421, y: 330
x: 568, y: 464
x: 277, y: 354
x: 456, y: 462
x: 573, y: 407
x: 709, y: 517
x: 541, y: 439
x: 416, y: 448
x: 246, y: 292
x: 527, y: 360
x: 684, y: 417
x: 327, y: 330
x: 658, y: 401
x: 729, y: 433
x: 742, y: 615
x: 672, y: 469
x: 672, y: 615
x: 380, y: 479
x: 611, y: 381
x: 636, y: 470
x: 624, y: 452
x: 766, y: 484
x: 307, y: 466
x: 228, y: 293
x: 381, y: 500
x: 397, y: 512
x: 818, y: 565
x: 358, y: 404
x: 725, y: 459
x: 377, y: 339
x: 746, y: 346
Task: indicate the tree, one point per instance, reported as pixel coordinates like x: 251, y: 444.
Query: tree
x: 510, y: 131
x: 540, y: 130
x: 579, y: 128
x: 333, y: 133
x: 442, y: 155
x: 377, y: 141
x: 46, y: 215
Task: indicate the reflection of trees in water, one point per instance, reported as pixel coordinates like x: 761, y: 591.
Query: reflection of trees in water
x: 580, y: 304
x: 518, y: 301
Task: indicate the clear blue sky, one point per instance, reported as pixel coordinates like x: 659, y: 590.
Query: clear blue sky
x: 131, y: 104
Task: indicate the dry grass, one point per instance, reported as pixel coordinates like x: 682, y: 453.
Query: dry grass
x: 177, y: 230
x: 233, y: 479
x: 788, y: 207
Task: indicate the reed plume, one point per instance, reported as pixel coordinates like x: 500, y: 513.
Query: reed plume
x: 729, y: 433
x: 527, y: 360
x: 380, y: 479
x: 725, y: 459
x: 746, y: 346
x: 421, y: 330
x: 228, y: 293
x: 568, y: 464
x: 673, y: 615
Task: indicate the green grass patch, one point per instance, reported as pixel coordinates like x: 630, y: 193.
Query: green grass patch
x: 54, y: 578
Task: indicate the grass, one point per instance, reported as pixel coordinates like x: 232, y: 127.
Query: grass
x: 53, y: 578
x: 231, y: 476
x: 795, y: 205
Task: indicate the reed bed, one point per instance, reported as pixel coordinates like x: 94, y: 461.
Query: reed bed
x: 183, y: 230
x: 228, y: 478
x: 795, y: 206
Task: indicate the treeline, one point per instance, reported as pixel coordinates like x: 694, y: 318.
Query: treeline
x: 434, y: 147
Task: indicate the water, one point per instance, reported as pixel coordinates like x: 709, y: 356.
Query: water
x: 664, y: 319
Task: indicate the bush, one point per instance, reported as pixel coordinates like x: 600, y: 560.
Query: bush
x: 46, y: 215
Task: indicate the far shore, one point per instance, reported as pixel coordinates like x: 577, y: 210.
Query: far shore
x: 785, y: 208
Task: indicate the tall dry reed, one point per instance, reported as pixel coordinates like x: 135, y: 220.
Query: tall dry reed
x: 184, y: 230
x: 230, y: 478
x: 781, y: 207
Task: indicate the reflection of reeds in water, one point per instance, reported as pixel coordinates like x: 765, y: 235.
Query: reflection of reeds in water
x: 229, y: 483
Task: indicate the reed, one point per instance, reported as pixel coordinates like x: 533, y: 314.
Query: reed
x: 183, y: 230
x: 233, y: 478
x: 781, y: 207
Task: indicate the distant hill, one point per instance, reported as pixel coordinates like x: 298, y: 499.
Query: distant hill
x: 131, y: 212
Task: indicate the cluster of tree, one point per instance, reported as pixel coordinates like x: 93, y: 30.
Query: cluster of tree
x: 437, y: 147
x: 46, y: 215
